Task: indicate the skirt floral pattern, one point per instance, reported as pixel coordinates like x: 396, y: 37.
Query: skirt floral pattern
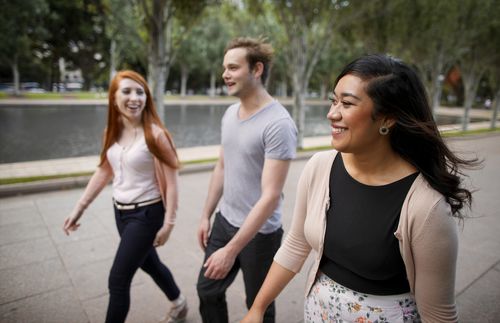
x: 329, y: 301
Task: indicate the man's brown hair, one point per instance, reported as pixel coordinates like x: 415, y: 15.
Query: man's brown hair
x: 258, y: 50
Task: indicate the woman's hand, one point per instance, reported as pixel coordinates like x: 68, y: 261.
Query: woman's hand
x: 71, y: 222
x: 253, y: 317
x: 162, y: 235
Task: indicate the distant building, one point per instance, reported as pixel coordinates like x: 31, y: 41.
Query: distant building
x: 71, y: 80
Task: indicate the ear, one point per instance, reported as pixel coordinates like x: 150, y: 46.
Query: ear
x: 388, y: 122
x: 258, y: 69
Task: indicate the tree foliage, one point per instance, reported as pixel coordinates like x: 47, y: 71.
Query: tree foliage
x: 22, y: 30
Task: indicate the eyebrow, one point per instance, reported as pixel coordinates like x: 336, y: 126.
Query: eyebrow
x: 344, y: 94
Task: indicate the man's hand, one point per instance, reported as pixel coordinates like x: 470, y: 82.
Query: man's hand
x: 203, y: 231
x: 219, y: 263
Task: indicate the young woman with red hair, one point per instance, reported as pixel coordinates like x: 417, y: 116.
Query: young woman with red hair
x: 139, y: 156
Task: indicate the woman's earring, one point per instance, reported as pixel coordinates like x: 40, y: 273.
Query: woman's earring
x: 384, y: 131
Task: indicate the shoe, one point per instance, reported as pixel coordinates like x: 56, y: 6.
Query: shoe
x: 177, y: 313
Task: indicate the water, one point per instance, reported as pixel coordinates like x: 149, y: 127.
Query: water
x: 40, y: 133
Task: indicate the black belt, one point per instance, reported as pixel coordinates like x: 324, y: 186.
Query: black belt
x: 133, y: 206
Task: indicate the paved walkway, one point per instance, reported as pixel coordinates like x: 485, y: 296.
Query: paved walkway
x: 46, y: 276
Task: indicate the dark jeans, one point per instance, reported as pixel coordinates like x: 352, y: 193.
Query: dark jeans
x: 137, y: 230
x: 254, y: 261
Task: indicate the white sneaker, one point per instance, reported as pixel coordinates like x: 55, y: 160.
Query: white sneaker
x: 178, y: 313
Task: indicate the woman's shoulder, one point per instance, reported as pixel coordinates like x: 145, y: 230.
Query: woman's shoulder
x: 422, y: 191
x: 319, y: 165
x: 322, y: 158
x: 425, y: 202
x: 157, y: 130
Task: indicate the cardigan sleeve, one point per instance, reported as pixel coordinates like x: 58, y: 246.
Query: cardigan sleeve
x: 166, y: 176
x: 294, y: 251
x: 435, y: 249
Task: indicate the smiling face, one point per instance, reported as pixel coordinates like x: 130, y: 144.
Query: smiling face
x: 130, y: 99
x: 350, y: 115
x: 237, y: 75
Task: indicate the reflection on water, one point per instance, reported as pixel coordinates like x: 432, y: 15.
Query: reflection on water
x: 39, y: 133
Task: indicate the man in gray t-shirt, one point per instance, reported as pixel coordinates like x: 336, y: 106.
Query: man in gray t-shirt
x: 258, y: 143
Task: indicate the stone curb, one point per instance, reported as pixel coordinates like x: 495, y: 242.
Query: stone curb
x: 80, y: 181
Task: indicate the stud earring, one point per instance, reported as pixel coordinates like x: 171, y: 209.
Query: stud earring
x: 384, y: 131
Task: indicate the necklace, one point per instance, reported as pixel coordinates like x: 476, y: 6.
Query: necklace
x: 124, y: 150
x: 131, y: 143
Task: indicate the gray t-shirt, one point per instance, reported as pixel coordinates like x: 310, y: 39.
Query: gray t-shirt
x: 268, y: 134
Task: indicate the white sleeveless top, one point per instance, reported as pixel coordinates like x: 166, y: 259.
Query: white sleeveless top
x: 134, y: 174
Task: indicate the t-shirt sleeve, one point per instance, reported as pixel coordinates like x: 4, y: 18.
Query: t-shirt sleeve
x: 280, y: 140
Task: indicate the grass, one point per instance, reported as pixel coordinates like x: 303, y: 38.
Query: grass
x: 459, y: 133
x: 17, y: 180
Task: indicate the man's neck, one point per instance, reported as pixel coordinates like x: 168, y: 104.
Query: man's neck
x: 254, y: 100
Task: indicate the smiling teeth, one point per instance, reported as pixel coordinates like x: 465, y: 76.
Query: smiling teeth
x: 338, y: 130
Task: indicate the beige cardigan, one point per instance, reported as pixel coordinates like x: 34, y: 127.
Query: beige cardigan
x: 427, y: 235
x: 104, y: 174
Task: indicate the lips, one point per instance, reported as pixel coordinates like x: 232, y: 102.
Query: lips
x: 338, y: 130
x: 133, y: 107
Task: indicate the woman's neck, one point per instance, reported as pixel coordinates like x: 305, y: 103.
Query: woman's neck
x: 130, y: 125
x: 377, y: 167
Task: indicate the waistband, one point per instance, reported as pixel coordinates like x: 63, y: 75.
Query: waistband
x: 133, y: 206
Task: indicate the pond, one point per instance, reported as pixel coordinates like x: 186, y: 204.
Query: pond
x: 39, y: 132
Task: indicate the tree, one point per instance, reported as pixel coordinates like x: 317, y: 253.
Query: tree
x: 158, y: 18
x: 307, y: 28
x: 127, y: 39
x: 21, y: 28
x: 76, y: 34
x: 477, y: 28
x: 423, y: 33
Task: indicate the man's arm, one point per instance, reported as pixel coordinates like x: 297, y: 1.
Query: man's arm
x: 213, y: 197
x: 273, y: 179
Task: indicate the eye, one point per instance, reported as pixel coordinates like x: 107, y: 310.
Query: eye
x: 125, y: 91
x: 346, y: 103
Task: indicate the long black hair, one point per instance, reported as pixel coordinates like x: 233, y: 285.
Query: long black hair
x: 397, y: 92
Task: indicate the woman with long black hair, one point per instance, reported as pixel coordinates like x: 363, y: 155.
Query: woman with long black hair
x: 379, y: 210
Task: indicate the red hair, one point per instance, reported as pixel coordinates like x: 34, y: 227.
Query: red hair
x: 149, y: 118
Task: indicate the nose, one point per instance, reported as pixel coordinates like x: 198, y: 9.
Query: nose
x: 334, y: 112
x: 133, y: 95
x: 224, y: 74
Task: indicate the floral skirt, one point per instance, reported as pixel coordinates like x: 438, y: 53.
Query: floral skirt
x: 329, y: 301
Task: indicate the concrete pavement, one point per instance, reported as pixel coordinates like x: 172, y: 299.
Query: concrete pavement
x: 46, y: 276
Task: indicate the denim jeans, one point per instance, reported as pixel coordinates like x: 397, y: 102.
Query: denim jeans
x: 137, y: 229
x: 254, y: 260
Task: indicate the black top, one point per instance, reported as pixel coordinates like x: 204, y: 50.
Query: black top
x: 361, y: 251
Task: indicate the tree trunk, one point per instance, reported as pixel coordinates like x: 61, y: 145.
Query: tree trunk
x: 496, y: 107
x: 283, y: 88
x: 212, y: 83
x: 469, y: 93
x: 298, y: 108
x: 15, y: 74
x: 323, y: 93
x: 112, y: 60
x: 184, y: 78
x: 157, y: 54
x: 437, y: 83
x: 471, y: 83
